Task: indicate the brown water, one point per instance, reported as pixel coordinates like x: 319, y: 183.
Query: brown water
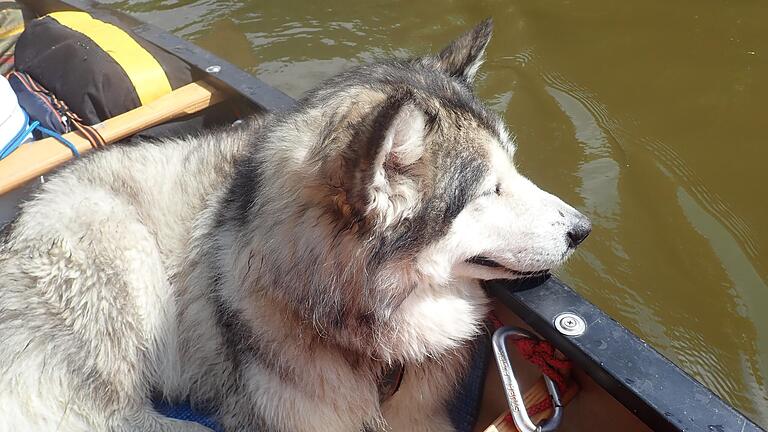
x: 644, y: 114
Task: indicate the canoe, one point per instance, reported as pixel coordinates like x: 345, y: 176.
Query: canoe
x: 617, y: 381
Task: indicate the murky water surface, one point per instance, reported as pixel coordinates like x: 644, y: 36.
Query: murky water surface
x: 647, y: 115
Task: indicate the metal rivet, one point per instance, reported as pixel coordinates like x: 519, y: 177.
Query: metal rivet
x: 570, y: 324
x: 213, y: 69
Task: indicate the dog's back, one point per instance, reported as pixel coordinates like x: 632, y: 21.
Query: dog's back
x: 86, y: 267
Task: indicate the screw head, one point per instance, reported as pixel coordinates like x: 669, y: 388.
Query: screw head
x: 213, y: 69
x: 570, y: 324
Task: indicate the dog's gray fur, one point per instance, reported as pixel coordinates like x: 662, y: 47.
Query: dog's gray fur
x: 271, y: 272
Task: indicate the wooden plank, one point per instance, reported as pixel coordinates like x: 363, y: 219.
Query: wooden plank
x: 534, y: 395
x: 37, y: 158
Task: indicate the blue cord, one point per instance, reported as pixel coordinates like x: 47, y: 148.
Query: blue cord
x: 60, y: 138
x: 21, y: 136
x: 16, y: 141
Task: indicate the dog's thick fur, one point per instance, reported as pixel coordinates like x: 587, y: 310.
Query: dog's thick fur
x: 272, y: 272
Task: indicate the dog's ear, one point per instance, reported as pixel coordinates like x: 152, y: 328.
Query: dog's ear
x: 381, y: 159
x: 402, y: 141
x: 463, y: 57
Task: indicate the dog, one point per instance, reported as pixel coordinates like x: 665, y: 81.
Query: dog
x: 276, y: 272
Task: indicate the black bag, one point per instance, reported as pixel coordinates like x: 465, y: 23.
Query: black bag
x: 97, y: 69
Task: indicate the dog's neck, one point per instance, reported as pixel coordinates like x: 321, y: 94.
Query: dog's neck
x: 430, y: 320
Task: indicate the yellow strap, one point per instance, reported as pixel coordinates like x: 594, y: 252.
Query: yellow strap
x: 146, y: 74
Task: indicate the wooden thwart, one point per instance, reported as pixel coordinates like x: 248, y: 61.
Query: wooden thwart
x: 37, y: 158
x: 534, y: 395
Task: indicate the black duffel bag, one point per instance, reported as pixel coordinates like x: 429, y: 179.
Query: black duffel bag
x: 96, y: 68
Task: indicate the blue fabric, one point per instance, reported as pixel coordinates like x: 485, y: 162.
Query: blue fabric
x: 184, y: 411
x: 39, y: 105
x: 463, y: 410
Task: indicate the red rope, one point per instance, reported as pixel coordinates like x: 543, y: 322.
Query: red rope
x: 540, y: 353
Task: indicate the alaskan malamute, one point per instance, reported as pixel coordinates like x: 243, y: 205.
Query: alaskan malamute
x: 276, y: 272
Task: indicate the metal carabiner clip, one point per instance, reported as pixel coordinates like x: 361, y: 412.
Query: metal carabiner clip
x: 512, y: 390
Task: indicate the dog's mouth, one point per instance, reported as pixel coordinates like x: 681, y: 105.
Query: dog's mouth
x: 487, y: 262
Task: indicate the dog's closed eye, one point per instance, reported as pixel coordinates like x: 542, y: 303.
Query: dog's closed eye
x: 495, y: 191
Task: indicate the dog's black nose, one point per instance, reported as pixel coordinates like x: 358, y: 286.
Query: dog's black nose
x: 579, y: 231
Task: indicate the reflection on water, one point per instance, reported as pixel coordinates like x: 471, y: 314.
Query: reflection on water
x: 642, y: 114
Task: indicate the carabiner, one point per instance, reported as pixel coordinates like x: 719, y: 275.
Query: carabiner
x: 512, y: 390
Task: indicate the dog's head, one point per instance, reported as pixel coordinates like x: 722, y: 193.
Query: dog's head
x: 393, y: 181
x: 427, y: 171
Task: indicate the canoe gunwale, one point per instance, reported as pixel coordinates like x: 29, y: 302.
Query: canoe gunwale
x: 658, y: 392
